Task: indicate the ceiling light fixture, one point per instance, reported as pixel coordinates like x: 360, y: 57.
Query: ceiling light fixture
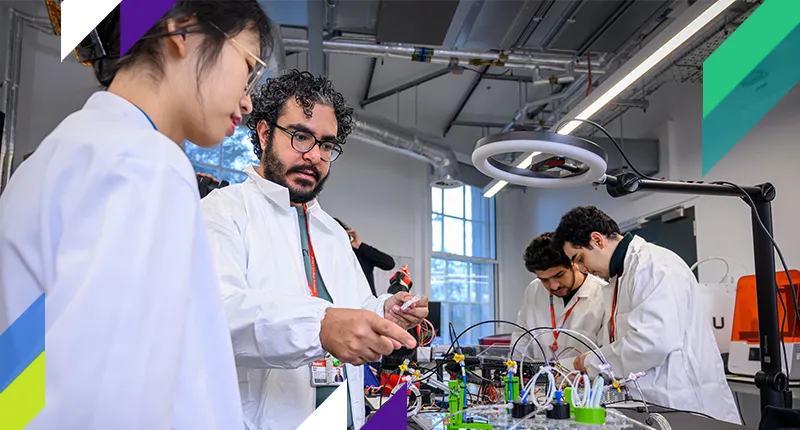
x: 664, y: 44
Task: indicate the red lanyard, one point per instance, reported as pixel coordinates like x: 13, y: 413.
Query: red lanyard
x: 554, y: 346
x: 613, y: 323
x: 313, y: 286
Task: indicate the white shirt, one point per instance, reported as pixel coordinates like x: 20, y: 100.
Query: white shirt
x: 274, y: 320
x: 104, y: 219
x: 662, y: 328
x: 587, y: 316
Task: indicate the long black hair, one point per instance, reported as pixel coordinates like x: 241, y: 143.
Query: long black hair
x: 230, y: 16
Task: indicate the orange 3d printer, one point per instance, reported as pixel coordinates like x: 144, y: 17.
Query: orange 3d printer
x: 745, y: 352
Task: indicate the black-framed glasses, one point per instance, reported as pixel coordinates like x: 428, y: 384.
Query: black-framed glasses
x: 304, y: 142
x: 256, y: 70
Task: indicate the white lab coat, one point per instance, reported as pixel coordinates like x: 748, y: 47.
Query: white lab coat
x: 273, y: 318
x: 104, y: 218
x: 587, y: 317
x: 661, y: 328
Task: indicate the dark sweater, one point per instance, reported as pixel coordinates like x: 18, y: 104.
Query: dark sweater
x: 370, y: 258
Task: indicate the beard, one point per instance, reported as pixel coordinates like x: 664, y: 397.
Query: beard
x: 275, y: 171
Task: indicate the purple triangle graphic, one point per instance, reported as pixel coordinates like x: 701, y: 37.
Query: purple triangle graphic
x: 137, y: 17
x: 392, y: 415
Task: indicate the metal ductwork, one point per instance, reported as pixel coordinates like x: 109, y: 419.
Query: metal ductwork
x: 277, y: 59
x: 383, y: 132
x: 16, y: 25
x: 450, y: 57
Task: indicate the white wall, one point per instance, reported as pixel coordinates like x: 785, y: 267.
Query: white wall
x: 386, y: 198
x: 769, y: 153
x: 514, y: 222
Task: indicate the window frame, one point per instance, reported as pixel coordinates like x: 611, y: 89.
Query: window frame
x: 220, y: 167
x: 491, y: 234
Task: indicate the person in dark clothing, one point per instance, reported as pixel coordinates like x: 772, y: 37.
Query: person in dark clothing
x: 368, y: 256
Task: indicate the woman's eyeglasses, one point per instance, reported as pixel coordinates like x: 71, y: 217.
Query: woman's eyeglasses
x: 256, y: 69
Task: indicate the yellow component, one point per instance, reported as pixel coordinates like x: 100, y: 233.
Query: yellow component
x: 616, y: 385
x: 458, y: 358
x: 417, y: 374
x: 403, y: 367
x: 510, y: 363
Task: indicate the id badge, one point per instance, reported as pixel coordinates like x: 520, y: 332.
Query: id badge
x: 327, y: 373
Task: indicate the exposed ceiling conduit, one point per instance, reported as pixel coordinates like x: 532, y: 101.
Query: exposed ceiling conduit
x: 380, y: 131
x: 16, y: 25
x: 449, y: 56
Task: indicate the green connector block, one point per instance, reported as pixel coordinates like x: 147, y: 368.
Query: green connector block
x: 456, y: 404
x: 590, y: 415
x: 748, y: 75
x: 568, y: 399
x: 515, y: 390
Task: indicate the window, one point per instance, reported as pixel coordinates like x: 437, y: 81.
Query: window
x: 227, y: 160
x: 463, y: 261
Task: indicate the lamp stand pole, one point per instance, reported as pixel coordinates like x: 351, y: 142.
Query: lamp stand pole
x: 770, y: 379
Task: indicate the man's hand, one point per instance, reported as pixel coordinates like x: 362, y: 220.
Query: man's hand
x: 579, y: 365
x: 205, y: 175
x: 358, y: 336
x: 410, y: 317
x: 356, y: 243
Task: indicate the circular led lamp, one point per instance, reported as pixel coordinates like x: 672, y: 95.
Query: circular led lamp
x: 591, y: 159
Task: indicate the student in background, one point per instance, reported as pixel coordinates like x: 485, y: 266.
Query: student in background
x: 368, y: 257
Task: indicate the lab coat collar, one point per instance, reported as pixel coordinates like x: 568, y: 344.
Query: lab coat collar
x: 110, y: 102
x: 617, y: 264
x: 277, y: 194
x: 583, y: 291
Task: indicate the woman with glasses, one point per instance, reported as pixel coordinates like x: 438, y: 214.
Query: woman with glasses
x: 104, y: 261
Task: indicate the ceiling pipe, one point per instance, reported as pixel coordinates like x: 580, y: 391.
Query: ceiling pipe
x: 16, y: 25
x: 449, y: 57
x: 530, y: 105
x: 382, y: 132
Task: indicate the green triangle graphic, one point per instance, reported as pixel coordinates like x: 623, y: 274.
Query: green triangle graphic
x: 748, y: 75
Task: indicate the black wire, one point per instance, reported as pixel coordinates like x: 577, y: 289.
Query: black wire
x: 752, y: 204
x: 641, y: 409
x: 440, y: 365
x: 490, y: 75
x: 452, y: 331
x: 529, y: 332
x: 614, y: 141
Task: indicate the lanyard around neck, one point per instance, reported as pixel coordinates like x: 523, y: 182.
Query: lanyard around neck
x: 313, y: 285
x: 612, y: 325
x: 554, y: 347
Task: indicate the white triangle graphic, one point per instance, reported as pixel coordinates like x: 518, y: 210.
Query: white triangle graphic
x: 331, y: 414
x: 79, y: 18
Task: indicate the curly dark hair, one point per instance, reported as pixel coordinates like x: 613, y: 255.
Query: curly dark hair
x: 577, y: 226
x: 269, y: 102
x: 541, y: 255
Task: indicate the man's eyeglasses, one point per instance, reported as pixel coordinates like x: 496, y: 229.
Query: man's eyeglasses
x: 304, y: 142
x: 256, y: 69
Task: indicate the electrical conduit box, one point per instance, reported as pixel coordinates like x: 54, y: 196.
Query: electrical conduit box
x: 745, y: 353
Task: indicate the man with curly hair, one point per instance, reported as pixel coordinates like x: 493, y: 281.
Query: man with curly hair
x: 656, y: 324
x: 297, y: 301
x: 560, y: 297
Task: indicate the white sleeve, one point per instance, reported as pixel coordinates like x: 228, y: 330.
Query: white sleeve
x: 656, y: 325
x: 120, y: 299
x: 268, y: 329
x: 526, y: 345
